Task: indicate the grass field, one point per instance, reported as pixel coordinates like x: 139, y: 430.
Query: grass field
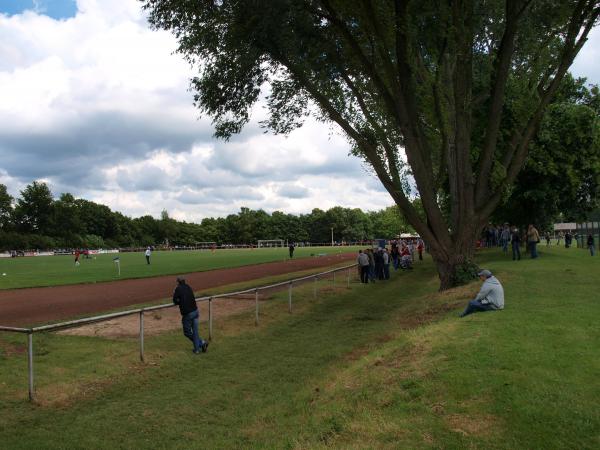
x: 61, y: 270
x: 388, y: 365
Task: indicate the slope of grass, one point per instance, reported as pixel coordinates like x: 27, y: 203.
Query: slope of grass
x: 388, y: 365
x: 60, y: 270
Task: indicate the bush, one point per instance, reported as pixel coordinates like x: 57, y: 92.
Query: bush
x: 465, y: 273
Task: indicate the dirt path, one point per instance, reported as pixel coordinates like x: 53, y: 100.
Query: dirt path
x: 26, y: 307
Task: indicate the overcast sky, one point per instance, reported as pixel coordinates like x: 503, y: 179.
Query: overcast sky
x: 94, y: 103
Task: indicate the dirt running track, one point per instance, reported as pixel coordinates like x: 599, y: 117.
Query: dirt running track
x: 35, y: 306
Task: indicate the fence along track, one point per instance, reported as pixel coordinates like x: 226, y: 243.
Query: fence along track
x: 248, y: 293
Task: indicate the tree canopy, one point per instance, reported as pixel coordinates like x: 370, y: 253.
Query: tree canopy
x: 445, y: 96
x: 561, y: 176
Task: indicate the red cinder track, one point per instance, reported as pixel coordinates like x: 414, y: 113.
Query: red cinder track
x: 34, y: 306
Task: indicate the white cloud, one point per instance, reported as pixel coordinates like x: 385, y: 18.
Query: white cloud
x: 99, y: 106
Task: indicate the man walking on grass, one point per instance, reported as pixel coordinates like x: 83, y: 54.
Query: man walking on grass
x: 185, y: 298
x: 490, y: 296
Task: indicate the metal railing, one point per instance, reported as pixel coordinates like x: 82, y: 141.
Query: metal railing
x: 89, y: 320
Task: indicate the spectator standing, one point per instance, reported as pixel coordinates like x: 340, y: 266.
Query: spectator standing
x: 559, y: 237
x: 292, y: 247
x: 547, y: 237
x: 378, y: 256
x: 591, y: 245
x: 363, y: 265
x: 371, y: 265
x: 568, y: 239
x: 184, y: 297
x: 395, y: 255
x: 515, y: 239
x: 533, y: 238
x: 420, y: 247
x: 505, y: 238
x: 386, y: 264
x: 147, y: 254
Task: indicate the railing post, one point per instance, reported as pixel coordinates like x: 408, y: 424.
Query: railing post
x: 30, y: 364
x: 290, y: 296
x: 315, y: 287
x: 348, y: 277
x: 256, y: 301
x: 210, y: 319
x: 334, y: 279
x: 142, y: 335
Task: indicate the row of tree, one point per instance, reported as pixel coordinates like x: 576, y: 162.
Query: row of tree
x: 37, y: 220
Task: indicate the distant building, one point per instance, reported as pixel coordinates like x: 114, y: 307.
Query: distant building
x: 565, y: 226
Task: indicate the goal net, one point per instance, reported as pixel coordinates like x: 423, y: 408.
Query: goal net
x: 271, y: 243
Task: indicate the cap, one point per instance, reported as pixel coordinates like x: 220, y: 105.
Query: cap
x: 485, y: 273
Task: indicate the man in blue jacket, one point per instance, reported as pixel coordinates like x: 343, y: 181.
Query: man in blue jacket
x: 185, y: 298
x: 490, y: 296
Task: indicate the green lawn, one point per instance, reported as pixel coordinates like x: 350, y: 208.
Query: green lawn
x: 60, y: 270
x: 388, y: 365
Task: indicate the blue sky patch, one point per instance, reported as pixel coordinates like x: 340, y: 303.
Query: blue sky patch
x: 57, y: 9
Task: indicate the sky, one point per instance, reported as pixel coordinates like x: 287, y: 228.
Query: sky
x: 95, y: 103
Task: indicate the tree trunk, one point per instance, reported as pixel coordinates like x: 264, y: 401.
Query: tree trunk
x: 455, y: 265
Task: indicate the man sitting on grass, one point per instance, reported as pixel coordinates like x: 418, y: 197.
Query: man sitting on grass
x: 490, y: 296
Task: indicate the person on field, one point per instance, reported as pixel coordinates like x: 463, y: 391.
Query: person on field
x: 292, y: 247
x: 490, y: 296
x: 515, y: 240
x: 147, y: 254
x: 184, y: 297
x: 77, y: 253
x: 533, y: 238
x: 591, y: 245
x: 547, y: 237
x: 363, y: 265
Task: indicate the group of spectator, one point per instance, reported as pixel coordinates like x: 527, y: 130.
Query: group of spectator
x: 374, y: 264
x: 512, y: 235
x: 501, y: 236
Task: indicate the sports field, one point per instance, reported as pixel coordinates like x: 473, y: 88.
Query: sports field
x: 387, y: 365
x: 61, y: 270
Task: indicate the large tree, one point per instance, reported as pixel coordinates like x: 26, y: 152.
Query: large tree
x: 420, y: 88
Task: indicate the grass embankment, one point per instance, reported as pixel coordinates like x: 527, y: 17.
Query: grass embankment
x: 385, y: 365
x: 61, y: 270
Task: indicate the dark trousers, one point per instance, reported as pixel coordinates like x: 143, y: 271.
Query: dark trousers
x: 516, y: 251
x: 147, y: 259
x: 364, y: 274
x: 475, y: 306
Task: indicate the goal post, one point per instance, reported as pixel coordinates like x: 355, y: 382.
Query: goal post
x: 262, y: 243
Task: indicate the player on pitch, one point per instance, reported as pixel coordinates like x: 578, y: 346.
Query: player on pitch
x: 185, y: 298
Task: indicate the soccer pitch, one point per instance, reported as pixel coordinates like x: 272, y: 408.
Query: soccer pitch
x: 60, y: 270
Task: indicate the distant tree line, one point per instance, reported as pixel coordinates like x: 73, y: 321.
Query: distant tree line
x: 36, y: 220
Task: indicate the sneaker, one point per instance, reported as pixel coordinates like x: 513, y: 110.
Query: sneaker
x: 205, y: 347
x: 196, y: 352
